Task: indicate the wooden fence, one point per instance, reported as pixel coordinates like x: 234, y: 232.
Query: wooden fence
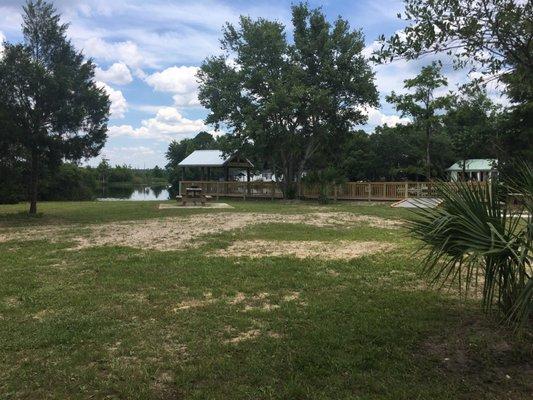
x: 371, y: 191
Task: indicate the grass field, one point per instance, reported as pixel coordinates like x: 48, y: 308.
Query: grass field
x: 122, y: 300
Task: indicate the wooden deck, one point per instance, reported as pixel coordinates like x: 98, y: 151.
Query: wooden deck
x: 370, y: 191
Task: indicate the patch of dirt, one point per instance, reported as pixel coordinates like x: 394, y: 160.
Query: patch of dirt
x: 339, y: 250
x: 42, y: 315
x: 12, y: 302
x: 195, y: 303
x: 182, y: 232
x: 251, y: 334
x: 293, y: 296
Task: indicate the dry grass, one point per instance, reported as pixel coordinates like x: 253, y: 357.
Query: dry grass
x: 339, y: 250
x: 179, y: 233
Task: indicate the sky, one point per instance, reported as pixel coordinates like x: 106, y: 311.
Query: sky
x: 147, y: 53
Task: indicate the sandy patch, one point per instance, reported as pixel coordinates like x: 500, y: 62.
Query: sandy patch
x: 339, y: 250
x: 182, y: 232
x: 195, y: 303
x: 207, y: 205
x: 12, y: 302
x: 251, y: 334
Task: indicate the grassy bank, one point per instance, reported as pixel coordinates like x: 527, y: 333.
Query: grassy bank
x: 86, y: 320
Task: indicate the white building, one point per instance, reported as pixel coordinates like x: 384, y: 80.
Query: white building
x: 479, y: 169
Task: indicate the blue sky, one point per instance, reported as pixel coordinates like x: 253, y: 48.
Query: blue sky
x: 148, y: 52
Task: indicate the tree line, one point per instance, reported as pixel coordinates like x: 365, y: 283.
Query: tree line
x: 291, y: 104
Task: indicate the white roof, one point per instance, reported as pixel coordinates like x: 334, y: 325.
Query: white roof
x: 204, y: 158
x: 209, y: 158
x: 476, y: 164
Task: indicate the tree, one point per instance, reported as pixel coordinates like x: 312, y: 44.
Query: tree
x: 422, y: 105
x: 48, y: 92
x: 157, y: 172
x: 493, y: 36
x: 288, y: 101
x: 103, y: 170
x: 470, y: 123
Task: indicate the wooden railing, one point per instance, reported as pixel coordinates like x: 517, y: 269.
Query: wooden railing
x: 348, y: 191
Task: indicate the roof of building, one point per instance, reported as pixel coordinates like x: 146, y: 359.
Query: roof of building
x: 213, y: 158
x: 476, y: 164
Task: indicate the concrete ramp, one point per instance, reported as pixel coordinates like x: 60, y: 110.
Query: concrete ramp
x: 418, y: 202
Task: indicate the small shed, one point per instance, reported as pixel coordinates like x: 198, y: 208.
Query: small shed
x: 206, y: 160
x: 479, y: 169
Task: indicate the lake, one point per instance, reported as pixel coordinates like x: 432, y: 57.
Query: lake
x: 134, y: 193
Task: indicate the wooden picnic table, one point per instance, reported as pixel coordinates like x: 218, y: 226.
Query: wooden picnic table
x: 194, y: 195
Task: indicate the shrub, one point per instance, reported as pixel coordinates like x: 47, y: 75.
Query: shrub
x: 474, y: 239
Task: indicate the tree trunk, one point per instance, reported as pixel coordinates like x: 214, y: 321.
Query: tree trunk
x: 34, y: 182
x: 428, y: 156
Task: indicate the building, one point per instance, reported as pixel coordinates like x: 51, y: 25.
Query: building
x: 207, y: 160
x: 479, y: 169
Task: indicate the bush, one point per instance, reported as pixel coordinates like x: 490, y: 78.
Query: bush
x: 69, y: 182
x: 476, y: 238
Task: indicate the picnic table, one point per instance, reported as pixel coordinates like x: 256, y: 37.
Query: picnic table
x: 193, y: 194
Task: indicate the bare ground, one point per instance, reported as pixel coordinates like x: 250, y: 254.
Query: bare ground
x: 339, y: 250
x: 181, y: 232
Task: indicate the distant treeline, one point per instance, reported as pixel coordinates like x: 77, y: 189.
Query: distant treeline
x: 69, y: 181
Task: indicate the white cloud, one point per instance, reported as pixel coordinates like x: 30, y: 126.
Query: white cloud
x: 178, y: 80
x: 118, y: 74
x: 126, y: 52
x: 168, y: 124
x: 136, y: 156
x: 119, y: 105
x: 376, y: 117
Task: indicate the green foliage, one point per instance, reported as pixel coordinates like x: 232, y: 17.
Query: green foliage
x: 69, y: 182
x: 395, y: 154
x: 288, y: 101
x: 325, y: 180
x: 49, y: 97
x: 494, y: 35
x: 471, y: 124
x: 422, y: 105
x: 475, y: 239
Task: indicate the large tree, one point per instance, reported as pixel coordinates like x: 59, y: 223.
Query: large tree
x: 289, y: 101
x: 422, y: 105
x: 48, y: 92
x: 493, y: 37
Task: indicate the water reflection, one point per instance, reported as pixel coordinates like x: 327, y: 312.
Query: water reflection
x: 134, y: 193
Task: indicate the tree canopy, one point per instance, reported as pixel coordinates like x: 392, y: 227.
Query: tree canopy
x: 289, y: 101
x: 422, y: 105
x: 52, y: 108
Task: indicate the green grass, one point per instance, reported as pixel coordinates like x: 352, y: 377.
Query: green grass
x: 105, y: 322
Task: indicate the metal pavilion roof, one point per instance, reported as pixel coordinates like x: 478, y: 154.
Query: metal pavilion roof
x: 477, y: 164
x: 213, y: 158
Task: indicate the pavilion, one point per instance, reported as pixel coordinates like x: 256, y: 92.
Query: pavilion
x: 206, y: 160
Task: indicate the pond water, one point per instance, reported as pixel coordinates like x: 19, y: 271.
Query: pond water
x: 134, y: 193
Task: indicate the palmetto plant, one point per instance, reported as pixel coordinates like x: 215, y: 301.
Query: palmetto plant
x: 475, y: 240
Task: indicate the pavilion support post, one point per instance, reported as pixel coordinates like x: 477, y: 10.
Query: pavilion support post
x: 182, y: 179
x: 248, y: 181
x: 203, y: 173
x: 208, y: 173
